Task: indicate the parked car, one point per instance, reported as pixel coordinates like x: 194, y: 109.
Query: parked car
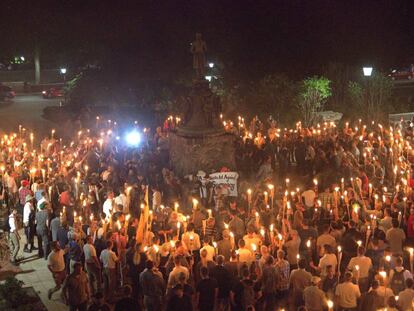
x: 402, y: 74
x: 53, y: 92
x: 6, y: 91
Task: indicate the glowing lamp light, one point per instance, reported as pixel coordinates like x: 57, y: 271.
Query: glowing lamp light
x: 211, y: 65
x: 208, y: 78
x: 367, y: 71
x: 133, y: 138
x: 63, y: 71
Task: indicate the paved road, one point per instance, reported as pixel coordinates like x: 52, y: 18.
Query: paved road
x: 36, y: 274
x: 26, y: 110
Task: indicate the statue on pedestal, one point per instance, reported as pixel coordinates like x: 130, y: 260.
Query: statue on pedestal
x: 198, y: 49
x: 200, y: 142
x: 202, y: 107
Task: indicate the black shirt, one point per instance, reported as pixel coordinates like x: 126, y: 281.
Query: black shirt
x: 126, y: 303
x: 179, y: 303
x: 224, y: 279
x: 206, y: 288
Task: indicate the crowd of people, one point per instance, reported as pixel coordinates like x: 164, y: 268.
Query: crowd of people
x: 323, y: 219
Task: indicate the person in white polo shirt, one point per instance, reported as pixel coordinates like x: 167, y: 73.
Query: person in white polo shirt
x: 93, y: 267
x: 109, y: 261
x: 360, y: 267
x: 109, y: 204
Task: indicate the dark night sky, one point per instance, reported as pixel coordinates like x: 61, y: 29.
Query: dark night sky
x: 249, y: 37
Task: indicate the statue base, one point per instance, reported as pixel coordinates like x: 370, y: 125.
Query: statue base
x: 206, y: 151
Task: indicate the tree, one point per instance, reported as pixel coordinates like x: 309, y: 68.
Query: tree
x: 339, y: 74
x: 274, y: 94
x: 371, y: 97
x: 312, y: 97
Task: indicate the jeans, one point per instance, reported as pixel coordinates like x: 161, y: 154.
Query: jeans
x: 43, y: 239
x: 29, y: 237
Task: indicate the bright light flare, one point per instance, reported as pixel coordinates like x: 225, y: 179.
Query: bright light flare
x: 133, y: 138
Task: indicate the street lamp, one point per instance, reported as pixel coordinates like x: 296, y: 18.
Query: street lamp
x: 211, y: 65
x: 63, y: 72
x: 208, y: 78
x: 367, y: 71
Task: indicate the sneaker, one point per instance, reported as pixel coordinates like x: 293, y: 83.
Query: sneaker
x: 26, y: 250
x: 34, y: 248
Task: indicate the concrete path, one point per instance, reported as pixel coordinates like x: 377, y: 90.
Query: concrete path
x: 34, y: 272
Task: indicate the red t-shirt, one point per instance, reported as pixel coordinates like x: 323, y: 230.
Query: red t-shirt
x: 65, y: 198
x: 410, y: 229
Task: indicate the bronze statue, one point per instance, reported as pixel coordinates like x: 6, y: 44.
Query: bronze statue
x: 198, y: 49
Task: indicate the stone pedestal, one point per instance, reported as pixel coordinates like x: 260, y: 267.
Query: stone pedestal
x: 189, y: 154
x: 201, y: 143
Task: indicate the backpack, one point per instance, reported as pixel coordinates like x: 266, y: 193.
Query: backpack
x: 248, y: 294
x: 397, y: 283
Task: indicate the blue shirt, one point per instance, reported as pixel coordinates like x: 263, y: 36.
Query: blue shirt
x: 62, y: 237
x: 75, y: 251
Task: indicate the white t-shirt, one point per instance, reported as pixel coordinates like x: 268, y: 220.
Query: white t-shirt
x: 121, y: 199
x: 326, y: 260
x: 12, y: 223
x: 348, y: 294
x: 245, y: 255
x: 191, y: 241
x: 28, y: 207
x: 107, y: 207
x: 325, y: 239
x: 210, y: 252
x: 108, y: 259
x: 89, y: 251
x: 175, y: 273
x: 364, y: 264
x: 56, y: 261
x: 405, y: 299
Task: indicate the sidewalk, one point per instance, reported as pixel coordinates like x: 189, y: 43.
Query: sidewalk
x: 36, y: 274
